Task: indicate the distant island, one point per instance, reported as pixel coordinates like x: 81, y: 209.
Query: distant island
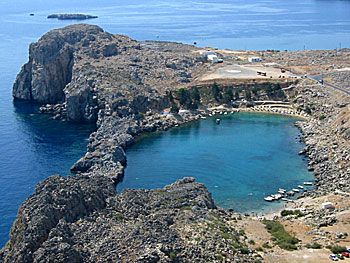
x: 71, y: 16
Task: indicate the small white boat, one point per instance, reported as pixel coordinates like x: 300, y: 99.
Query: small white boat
x: 301, y: 187
x: 269, y: 199
x: 225, y: 113
x: 284, y: 199
x: 296, y: 190
x: 307, y: 183
x: 221, y: 112
x: 203, y: 118
x: 281, y: 192
x: 218, y: 121
x: 210, y: 114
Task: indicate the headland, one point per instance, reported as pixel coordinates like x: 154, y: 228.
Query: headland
x: 81, y: 73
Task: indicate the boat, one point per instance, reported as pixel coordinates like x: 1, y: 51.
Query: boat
x: 307, y: 183
x: 225, y: 113
x: 281, y: 192
x: 269, y: 199
x: 301, y: 187
x: 210, y: 114
x: 218, y: 121
x: 296, y: 190
x: 290, y: 193
x: 281, y: 189
x: 284, y: 199
x: 203, y: 117
x: 278, y: 196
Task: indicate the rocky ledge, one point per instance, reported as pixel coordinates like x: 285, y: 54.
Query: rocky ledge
x: 83, y: 219
x: 71, y: 16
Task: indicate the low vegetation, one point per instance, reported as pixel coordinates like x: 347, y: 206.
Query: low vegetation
x: 314, y: 246
x: 297, y: 213
x: 336, y: 249
x: 283, y: 239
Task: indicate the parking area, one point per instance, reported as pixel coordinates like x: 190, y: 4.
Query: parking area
x: 254, y: 71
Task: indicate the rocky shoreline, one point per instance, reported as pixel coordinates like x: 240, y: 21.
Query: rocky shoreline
x: 81, y: 73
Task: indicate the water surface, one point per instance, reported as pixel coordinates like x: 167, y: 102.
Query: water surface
x: 247, y: 153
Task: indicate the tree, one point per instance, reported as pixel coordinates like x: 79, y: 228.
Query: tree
x: 195, y: 95
x: 228, y: 95
x: 170, y: 96
x: 248, y: 95
x: 215, y: 90
x: 236, y: 95
x: 174, y: 108
x: 182, y: 96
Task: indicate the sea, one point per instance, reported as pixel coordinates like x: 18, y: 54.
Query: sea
x: 245, y: 154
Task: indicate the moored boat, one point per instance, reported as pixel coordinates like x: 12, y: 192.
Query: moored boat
x: 307, y: 183
x: 269, y: 199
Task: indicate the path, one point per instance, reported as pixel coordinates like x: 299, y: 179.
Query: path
x: 320, y: 77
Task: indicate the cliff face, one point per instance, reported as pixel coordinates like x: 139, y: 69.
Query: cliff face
x: 89, y: 70
x: 82, y: 219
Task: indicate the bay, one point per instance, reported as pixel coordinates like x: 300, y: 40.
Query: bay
x: 244, y: 159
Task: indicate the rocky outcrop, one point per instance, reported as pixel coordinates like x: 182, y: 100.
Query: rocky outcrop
x: 55, y: 200
x: 325, y: 135
x: 82, y: 219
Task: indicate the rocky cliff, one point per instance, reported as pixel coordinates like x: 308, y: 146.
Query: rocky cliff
x: 86, y: 74
x: 82, y: 219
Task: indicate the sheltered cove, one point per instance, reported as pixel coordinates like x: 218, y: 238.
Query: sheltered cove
x: 122, y: 85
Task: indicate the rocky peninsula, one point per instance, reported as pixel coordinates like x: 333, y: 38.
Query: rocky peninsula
x: 81, y: 73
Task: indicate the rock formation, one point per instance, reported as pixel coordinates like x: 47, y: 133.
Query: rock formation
x: 82, y: 219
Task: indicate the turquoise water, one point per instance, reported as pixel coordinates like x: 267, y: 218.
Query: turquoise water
x: 247, y: 153
x: 33, y: 147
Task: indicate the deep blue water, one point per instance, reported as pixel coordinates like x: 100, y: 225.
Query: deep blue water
x: 247, y: 153
x: 33, y: 147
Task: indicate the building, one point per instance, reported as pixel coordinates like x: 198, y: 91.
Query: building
x: 254, y: 59
x: 206, y: 52
x: 328, y: 205
x: 213, y: 58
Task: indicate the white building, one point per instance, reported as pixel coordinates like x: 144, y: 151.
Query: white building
x: 206, y: 52
x: 327, y: 205
x: 254, y: 59
x: 213, y: 58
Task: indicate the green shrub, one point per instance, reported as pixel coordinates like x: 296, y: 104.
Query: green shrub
x: 259, y: 249
x: 284, y: 239
x: 266, y: 245
x: 252, y: 242
x: 172, y: 256
x: 322, y: 117
x: 292, y: 212
x: 336, y: 249
x: 314, y: 246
